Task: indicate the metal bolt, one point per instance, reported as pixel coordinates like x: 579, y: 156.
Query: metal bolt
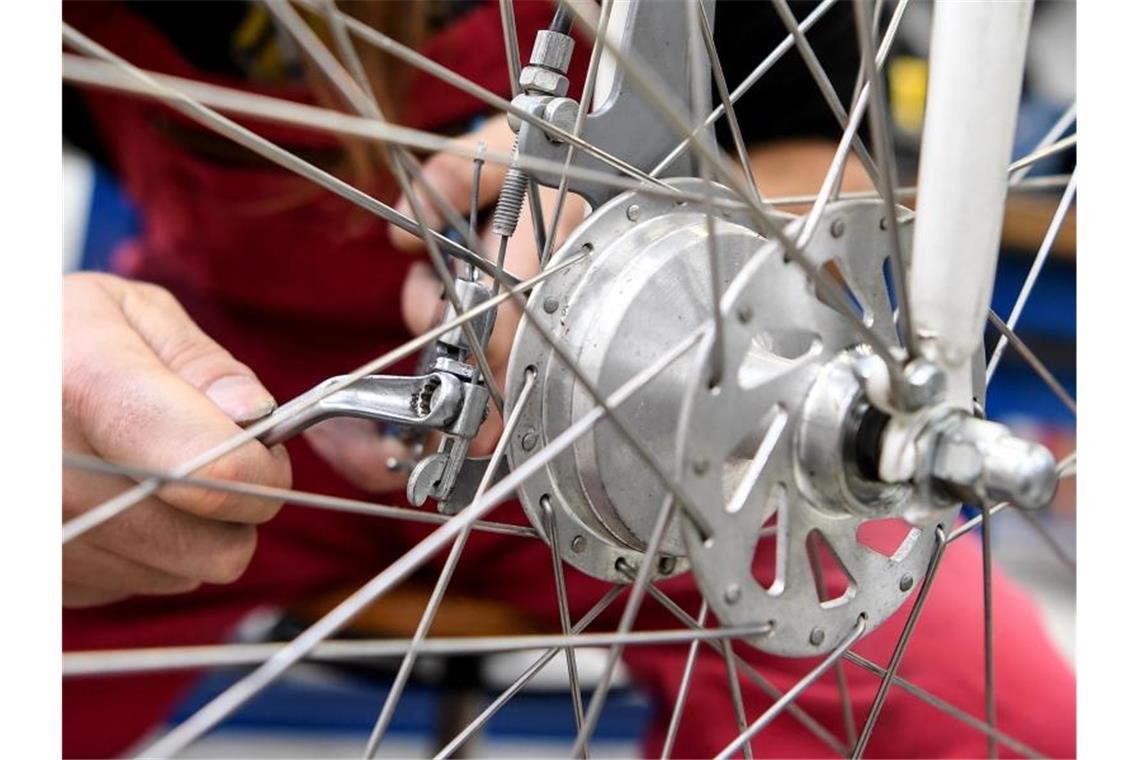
x: 633, y: 213
x: 906, y: 582
x: 529, y: 439
x: 744, y: 314
x: 732, y: 593
x: 550, y: 304
x: 578, y: 544
x: 837, y: 228
x: 925, y: 383
x: 883, y: 223
x: 701, y: 466
x: 666, y: 565
x: 816, y: 637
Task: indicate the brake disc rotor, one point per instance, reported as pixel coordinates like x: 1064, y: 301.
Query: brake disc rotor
x: 643, y: 288
x: 769, y: 453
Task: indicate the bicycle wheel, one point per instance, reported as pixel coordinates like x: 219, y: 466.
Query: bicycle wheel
x: 782, y: 389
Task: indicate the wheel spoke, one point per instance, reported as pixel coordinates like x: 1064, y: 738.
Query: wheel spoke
x: 1035, y: 156
x: 527, y: 675
x: 883, y: 141
x: 1037, y: 365
x: 388, y: 710
x: 124, y: 661
x: 900, y: 646
x: 943, y: 706
x: 741, y: 89
x: 812, y: 676
x: 563, y: 613
x: 988, y: 631
x: 807, y: 721
x: 290, y: 496
x: 1050, y: 137
x: 815, y: 68
x: 683, y: 690
x: 737, y: 697
x: 1034, y: 270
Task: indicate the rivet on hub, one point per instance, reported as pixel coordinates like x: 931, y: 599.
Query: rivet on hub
x: 906, y: 582
x: 744, y: 314
x: 732, y: 593
x: 837, y: 228
x: 701, y: 466
x: 550, y: 304
x: 816, y: 637
x: 578, y: 544
x: 633, y: 213
x: 529, y: 439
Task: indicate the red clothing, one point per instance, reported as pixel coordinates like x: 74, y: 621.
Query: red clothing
x: 306, y: 292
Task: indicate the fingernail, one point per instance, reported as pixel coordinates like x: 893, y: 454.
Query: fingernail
x: 241, y: 397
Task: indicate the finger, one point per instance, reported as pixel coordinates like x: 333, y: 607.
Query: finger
x: 163, y: 538
x: 359, y: 453
x: 450, y: 177
x: 420, y: 300
x: 95, y: 568
x: 137, y: 409
x: 77, y: 596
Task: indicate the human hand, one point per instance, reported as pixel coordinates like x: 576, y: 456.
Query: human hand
x: 143, y: 385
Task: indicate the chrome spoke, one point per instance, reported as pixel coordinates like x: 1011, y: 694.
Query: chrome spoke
x: 943, y: 706
x: 1050, y: 137
x: 883, y: 141
x: 290, y: 496
x: 1037, y: 365
x: 725, y: 101
x: 815, y: 68
x: 901, y: 644
x: 1030, y: 184
x: 527, y: 675
x: 794, y: 710
x: 812, y: 676
x: 683, y: 691
x: 741, y: 89
x: 564, y: 614
x: 123, y: 661
x: 388, y: 710
x: 1034, y: 271
x: 211, y: 119
x: 1035, y: 156
x: 988, y: 630
x: 737, y: 697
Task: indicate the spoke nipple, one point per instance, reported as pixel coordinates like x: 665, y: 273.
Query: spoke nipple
x: 732, y: 593
x: 578, y: 544
x: 906, y: 583
x: 838, y: 228
x: 815, y: 638
x: 529, y: 439
x: 550, y: 304
x: 633, y: 212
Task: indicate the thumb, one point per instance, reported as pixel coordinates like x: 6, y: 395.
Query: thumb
x: 188, y: 352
